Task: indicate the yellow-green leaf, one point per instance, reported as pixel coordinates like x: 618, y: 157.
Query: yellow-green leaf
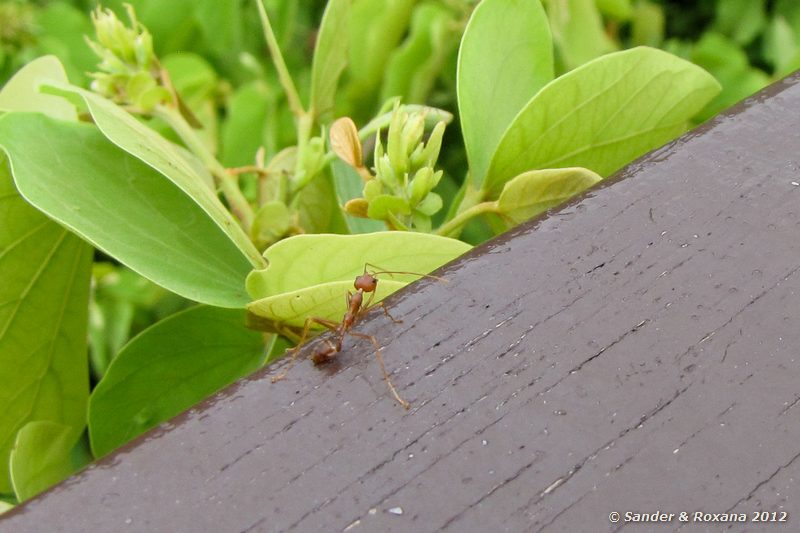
x: 603, y: 115
x: 536, y: 191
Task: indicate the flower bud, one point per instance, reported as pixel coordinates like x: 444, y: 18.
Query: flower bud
x: 372, y: 189
x: 386, y: 172
x: 413, y: 129
x: 420, y: 185
x: 126, y: 54
x: 394, y: 144
x: 430, y: 154
x: 405, y: 173
x: 143, y: 50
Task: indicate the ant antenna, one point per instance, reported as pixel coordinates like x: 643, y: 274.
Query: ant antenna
x: 391, y: 272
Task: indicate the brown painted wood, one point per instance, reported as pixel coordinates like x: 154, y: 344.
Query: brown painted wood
x: 638, y: 350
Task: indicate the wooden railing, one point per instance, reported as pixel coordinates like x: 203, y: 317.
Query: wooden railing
x: 637, y: 350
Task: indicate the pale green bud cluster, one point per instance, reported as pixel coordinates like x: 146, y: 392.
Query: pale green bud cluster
x: 129, y: 69
x: 401, y: 192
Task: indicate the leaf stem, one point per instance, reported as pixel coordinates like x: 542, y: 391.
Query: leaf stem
x: 280, y: 65
x: 300, y: 179
x: 394, y: 223
x: 455, y: 224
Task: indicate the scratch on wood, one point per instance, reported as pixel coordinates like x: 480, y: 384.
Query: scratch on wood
x: 602, y: 350
x: 561, y: 481
x: 764, y: 482
x: 790, y: 405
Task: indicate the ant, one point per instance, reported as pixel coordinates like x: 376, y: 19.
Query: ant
x: 326, y: 352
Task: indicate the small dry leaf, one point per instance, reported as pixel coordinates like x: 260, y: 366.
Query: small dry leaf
x: 345, y: 142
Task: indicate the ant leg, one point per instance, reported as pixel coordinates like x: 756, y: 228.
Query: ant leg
x: 347, y: 298
x: 386, y: 377
x: 386, y: 312
x: 382, y: 305
x: 330, y: 324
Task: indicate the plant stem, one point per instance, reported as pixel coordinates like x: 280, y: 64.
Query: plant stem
x: 228, y: 183
x: 395, y: 224
x: 304, y: 125
x: 457, y: 222
x: 280, y: 65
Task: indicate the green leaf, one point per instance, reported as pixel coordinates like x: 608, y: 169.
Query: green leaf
x: 193, y: 77
x: 790, y: 10
x: 43, y: 319
x: 325, y: 300
x: 243, y: 129
x: 536, y: 191
x: 42, y: 457
x: 196, y: 83
x: 272, y: 221
x: 376, y: 28
x: 729, y: 64
x: 578, y: 32
x: 168, y: 368
x: 167, y: 22
x: 741, y: 20
x: 21, y: 92
x: 382, y: 205
x: 122, y: 302
x: 330, y: 56
x: 414, y: 67
x: 305, y: 260
x: 60, y: 30
x: 311, y: 274
x: 647, y: 25
x: 109, y: 326
x: 221, y: 23
x: 316, y: 207
x: 506, y: 56
x: 621, y: 10
x: 430, y: 205
x: 5, y: 506
x: 137, y: 139
x: 603, y: 115
x: 119, y: 204
x: 781, y: 46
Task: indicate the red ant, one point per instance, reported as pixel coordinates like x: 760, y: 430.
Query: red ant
x: 326, y: 352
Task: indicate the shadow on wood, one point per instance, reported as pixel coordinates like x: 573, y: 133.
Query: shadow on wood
x: 637, y: 350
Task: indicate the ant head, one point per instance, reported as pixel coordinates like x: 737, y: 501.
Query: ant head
x: 366, y: 282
